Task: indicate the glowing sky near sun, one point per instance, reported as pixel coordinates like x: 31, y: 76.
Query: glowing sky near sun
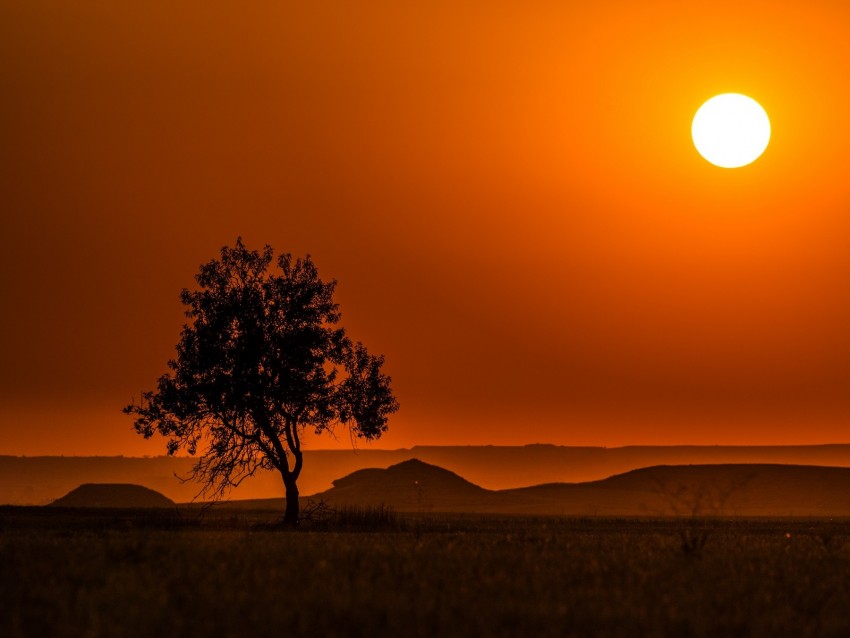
x: 508, y: 194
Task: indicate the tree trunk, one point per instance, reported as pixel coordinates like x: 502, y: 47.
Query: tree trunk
x: 291, y: 515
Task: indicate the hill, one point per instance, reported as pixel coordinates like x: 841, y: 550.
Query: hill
x: 408, y: 486
x: 39, y: 480
x: 118, y: 495
x: 714, y: 490
x: 741, y: 489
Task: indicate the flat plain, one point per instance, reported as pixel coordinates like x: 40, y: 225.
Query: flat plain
x: 70, y: 572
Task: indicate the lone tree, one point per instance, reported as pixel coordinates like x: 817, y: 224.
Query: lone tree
x: 260, y: 361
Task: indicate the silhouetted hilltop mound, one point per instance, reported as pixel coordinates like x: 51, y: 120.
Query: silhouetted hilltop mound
x: 408, y: 486
x: 118, y: 495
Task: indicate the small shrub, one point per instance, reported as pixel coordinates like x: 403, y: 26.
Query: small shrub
x: 693, y: 540
x: 316, y: 513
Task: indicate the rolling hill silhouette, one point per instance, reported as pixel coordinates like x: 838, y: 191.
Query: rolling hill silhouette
x: 117, y: 495
x: 40, y: 480
x: 714, y: 490
x: 408, y: 486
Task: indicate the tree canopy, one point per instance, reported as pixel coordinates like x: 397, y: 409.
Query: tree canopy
x: 261, y: 359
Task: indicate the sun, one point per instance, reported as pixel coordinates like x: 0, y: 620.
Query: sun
x: 731, y: 130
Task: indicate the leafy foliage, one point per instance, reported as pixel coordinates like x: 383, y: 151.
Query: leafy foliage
x: 261, y: 359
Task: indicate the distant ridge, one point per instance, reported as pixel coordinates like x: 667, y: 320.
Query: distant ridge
x: 40, y: 480
x: 683, y: 490
x: 742, y: 489
x: 115, y: 495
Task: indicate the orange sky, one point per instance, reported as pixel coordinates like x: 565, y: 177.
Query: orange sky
x: 507, y: 193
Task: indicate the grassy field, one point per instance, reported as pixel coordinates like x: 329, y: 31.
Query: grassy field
x: 133, y: 573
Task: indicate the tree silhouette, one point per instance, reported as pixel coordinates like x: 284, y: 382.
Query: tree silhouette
x: 260, y: 361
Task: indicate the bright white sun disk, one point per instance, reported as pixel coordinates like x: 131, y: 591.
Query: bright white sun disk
x: 731, y: 130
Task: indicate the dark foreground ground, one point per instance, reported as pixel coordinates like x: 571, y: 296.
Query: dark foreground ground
x: 134, y: 573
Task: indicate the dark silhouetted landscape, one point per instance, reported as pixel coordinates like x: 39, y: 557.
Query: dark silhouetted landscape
x: 40, y: 480
x: 683, y: 491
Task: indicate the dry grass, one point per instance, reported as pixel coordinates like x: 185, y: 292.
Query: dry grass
x: 161, y: 574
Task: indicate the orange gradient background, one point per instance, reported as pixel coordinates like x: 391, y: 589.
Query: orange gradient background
x: 507, y: 193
